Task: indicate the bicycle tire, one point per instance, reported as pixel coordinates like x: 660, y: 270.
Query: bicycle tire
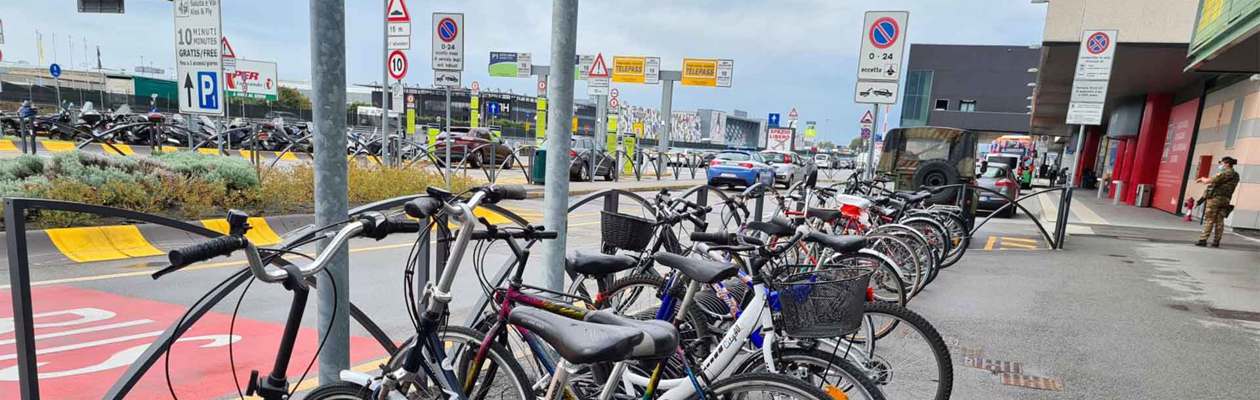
x: 340, y: 391
x: 931, y: 336
x: 497, y: 354
x: 820, y: 361
x: 900, y: 252
x: 694, y: 317
x: 885, y: 276
x: 918, y: 242
x: 739, y: 386
x: 934, y: 231
x: 956, y: 227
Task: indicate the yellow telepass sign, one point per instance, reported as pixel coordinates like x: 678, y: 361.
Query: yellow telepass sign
x: 628, y: 69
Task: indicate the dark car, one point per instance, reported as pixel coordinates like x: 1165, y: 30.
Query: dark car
x: 477, y: 143
x: 999, y: 178
x: 580, y: 167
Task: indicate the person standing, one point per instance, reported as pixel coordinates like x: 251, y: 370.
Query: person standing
x: 1219, y: 191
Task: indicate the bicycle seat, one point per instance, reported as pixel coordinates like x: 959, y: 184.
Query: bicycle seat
x: 914, y: 197
x: 577, y: 341
x: 660, y: 338
x: 777, y: 226
x: 702, y: 271
x: 840, y: 243
x: 825, y: 214
x: 584, y: 263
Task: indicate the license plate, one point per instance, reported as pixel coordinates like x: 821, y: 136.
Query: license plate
x: 728, y: 175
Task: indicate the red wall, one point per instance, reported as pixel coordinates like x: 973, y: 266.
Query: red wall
x: 1175, y: 157
x: 1150, y: 144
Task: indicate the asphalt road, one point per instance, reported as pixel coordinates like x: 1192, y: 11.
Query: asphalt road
x: 1108, y: 318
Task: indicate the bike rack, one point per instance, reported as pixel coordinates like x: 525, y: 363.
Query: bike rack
x: 1056, y: 239
x: 20, y: 284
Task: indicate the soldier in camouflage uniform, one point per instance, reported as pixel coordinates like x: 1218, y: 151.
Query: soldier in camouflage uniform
x: 1219, y: 191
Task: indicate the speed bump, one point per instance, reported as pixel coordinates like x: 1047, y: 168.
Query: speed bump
x: 260, y: 233
x: 101, y: 243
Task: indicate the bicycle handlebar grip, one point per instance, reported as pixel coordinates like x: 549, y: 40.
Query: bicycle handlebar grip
x: 220, y: 246
x: 423, y: 207
x: 511, y: 192
x: 401, y: 224
x: 718, y: 238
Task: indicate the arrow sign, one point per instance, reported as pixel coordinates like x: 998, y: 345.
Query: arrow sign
x: 397, y: 12
x: 188, y: 87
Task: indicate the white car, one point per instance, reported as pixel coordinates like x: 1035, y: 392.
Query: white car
x: 822, y: 161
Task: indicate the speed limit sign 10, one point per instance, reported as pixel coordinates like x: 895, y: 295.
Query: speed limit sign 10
x: 397, y: 64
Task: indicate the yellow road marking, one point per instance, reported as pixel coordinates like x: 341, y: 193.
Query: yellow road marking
x: 988, y: 245
x: 7, y: 145
x: 287, y: 156
x: 58, y: 146
x: 123, y: 149
x: 209, y: 151
x: 165, y: 149
x: 247, y: 154
x: 1018, y: 239
x: 260, y: 233
x: 101, y: 243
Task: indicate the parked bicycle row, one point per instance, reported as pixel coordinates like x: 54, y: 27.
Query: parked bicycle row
x: 689, y: 298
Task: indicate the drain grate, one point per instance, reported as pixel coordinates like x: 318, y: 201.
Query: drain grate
x: 1032, y: 382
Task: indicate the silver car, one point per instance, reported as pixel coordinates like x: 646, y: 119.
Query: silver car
x: 789, y: 167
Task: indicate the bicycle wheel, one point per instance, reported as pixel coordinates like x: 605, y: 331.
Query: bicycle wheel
x: 340, y: 391
x: 917, y: 242
x: 956, y: 227
x: 935, y: 233
x: 820, y: 369
x: 902, y: 254
x: 885, y: 282
x: 501, y: 377
x: 638, y: 296
x: 768, y: 386
x: 908, y: 357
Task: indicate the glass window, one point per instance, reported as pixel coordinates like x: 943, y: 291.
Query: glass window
x: 991, y: 171
x: 732, y: 156
x: 927, y: 149
x: 918, y: 96
x: 942, y: 104
x: 967, y: 106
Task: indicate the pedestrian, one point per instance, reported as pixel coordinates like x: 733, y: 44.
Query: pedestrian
x: 1219, y: 191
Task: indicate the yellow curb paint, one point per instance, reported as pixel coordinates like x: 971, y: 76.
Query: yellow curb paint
x: 1018, y: 239
x: 101, y: 243
x: 260, y: 232
x: 123, y: 149
x: 287, y: 156
x: 246, y: 154
x: 58, y: 146
x: 164, y: 149
x: 213, y: 152
x: 7, y: 145
x: 988, y: 245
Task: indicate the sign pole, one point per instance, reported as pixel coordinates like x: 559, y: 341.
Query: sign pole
x: 59, y: 104
x: 447, y: 166
x: 597, y: 140
x: 1076, y: 158
x: 385, y: 85
x: 870, y: 144
x: 667, y: 114
x: 564, y: 16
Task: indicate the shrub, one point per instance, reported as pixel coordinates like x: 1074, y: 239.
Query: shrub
x: 236, y: 173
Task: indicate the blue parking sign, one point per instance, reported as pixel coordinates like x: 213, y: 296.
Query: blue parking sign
x: 208, y: 90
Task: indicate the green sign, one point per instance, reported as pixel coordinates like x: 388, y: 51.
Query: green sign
x: 510, y: 65
x: 247, y: 95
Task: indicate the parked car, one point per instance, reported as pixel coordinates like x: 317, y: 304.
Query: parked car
x: 479, y: 145
x: 997, y: 177
x: 580, y: 168
x: 789, y: 167
x: 844, y: 162
x: 822, y: 160
x: 739, y: 168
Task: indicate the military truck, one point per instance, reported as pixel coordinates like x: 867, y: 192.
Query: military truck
x: 931, y: 156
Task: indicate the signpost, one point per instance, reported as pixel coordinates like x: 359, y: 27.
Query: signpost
x: 1089, y: 87
x: 780, y: 139
x: 644, y: 70
x: 55, y: 71
x: 879, y: 66
x: 448, y: 64
x: 773, y: 120
x: 867, y: 123
x: 597, y: 77
x: 707, y: 72
x: 198, y: 61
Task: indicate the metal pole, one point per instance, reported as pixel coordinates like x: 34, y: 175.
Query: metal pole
x: 564, y: 14
x: 58, y: 80
x: 667, y: 114
x: 385, y: 83
x: 598, y: 135
x: 1076, y: 158
x: 447, y: 166
x: 870, y: 144
x: 328, y: 114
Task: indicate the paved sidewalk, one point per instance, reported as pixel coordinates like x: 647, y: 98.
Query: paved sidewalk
x: 1091, y: 216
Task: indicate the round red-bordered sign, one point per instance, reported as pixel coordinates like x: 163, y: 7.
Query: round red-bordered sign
x: 884, y: 33
x: 1098, y: 43
x: 447, y: 30
x: 396, y: 64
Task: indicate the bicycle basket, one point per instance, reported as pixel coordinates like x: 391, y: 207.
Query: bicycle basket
x: 823, y: 303
x: 626, y: 232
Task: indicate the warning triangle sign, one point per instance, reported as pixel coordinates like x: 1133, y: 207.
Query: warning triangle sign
x: 397, y: 12
x: 867, y: 118
x: 228, y: 52
x: 598, y: 68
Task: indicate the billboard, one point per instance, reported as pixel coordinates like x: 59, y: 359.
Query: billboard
x: 254, y: 79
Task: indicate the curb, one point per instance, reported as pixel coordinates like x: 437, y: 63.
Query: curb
x: 534, y: 192
x: 51, y: 146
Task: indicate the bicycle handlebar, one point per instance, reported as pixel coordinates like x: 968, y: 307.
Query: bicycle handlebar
x: 184, y: 256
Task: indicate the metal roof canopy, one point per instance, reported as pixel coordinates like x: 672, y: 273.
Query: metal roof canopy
x: 1139, y: 68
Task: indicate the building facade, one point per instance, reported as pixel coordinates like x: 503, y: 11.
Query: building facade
x: 981, y: 88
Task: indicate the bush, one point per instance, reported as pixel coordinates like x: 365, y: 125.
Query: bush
x: 234, y: 172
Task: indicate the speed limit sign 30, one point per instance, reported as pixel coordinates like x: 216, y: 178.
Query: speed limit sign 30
x: 397, y: 64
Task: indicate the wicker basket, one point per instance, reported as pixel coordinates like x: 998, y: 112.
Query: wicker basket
x: 823, y: 303
x: 626, y: 232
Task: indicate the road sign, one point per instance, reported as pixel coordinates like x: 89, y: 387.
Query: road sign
x: 866, y: 133
x: 398, y: 43
x: 450, y: 79
x: 645, y: 70
x: 253, y: 79
x: 492, y: 108
x: 613, y: 102
x: 397, y: 64
x: 397, y: 11
x: 707, y: 72
x: 597, y: 77
x: 1093, y: 73
x: 793, y: 114
x: 198, y: 56
x: 399, y: 28
x: 476, y: 88
x: 448, y: 41
x: 880, y: 56
x: 867, y: 118
x: 398, y: 100
x: 614, y: 92
x: 511, y: 65
x: 54, y: 70
x: 773, y: 120
x: 780, y: 139
x: 229, y: 57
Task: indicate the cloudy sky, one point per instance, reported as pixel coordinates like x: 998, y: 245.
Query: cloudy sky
x: 788, y: 53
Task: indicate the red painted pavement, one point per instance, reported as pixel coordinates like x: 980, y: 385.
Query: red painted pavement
x: 86, y: 339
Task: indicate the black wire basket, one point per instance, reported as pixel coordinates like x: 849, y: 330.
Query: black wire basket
x: 624, y: 231
x: 823, y: 303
